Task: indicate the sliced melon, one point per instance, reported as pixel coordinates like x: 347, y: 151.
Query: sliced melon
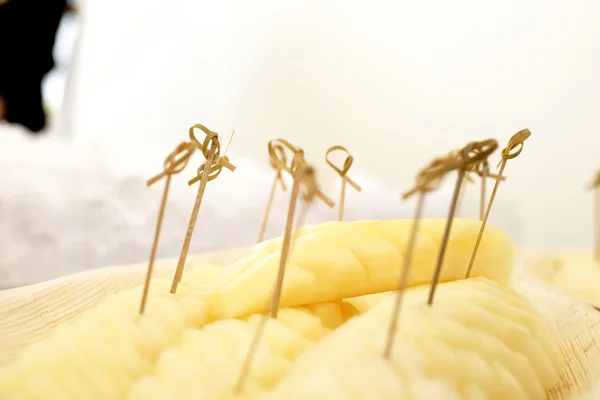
x: 478, y: 340
x: 357, y: 258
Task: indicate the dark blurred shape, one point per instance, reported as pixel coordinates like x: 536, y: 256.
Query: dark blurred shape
x: 27, y: 34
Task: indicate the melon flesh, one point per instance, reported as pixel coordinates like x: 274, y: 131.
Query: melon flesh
x: 213, y: 356
x: 349, y: 259
x: 479, y: 340
x: 192, y: 345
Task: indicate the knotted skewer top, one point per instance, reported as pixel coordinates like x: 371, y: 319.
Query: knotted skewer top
x: 517, y: 140
x: 277, y: 153
x: 342, y: 172
x: 430, y: 177
x: 175, y: 162
x: 210, y: 141
x: 481, y: 169
x: 297, y: 161
x: 481, y: 151
x: 476, y: 152
x: 305, y: 175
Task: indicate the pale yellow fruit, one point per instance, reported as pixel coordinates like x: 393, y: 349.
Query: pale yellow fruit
x: 80, y: 360
x: 479, y: 338
x: 357, y: 258
x: 212, y: 356
x: 197, y: 280
x: 366, y: 302
x: 189, y: 346
x: 100, y: 354
x: 575, y: 273
x: 272, y: 246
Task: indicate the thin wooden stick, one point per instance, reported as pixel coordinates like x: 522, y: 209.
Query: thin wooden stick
x: 191, y: 225
x: 208, y: 171
x: 229, y: 143
x: 304, y: 174
x: 285, y: 248
x: 343, y: 173
x: 260, y: 330
x: 247, y: 365
x: 403, y: 280
x: 470, y: 155
x: 517, y: 140
x: 461, y: 196
x: 444, y: 245
x: 482, y: 169
x: 276, y: 157
x: 342, y: 200
x: 161, y: 214
x: 429, y: 179
x: 482, y: 197
x: 265, y: 220
x: 172, y: 165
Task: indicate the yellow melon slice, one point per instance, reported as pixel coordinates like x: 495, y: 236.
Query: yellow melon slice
x: 479, y: 340
x: 575, y: 273
x: 213, y: 356
x: 79, y: 358
x: 351, y: 259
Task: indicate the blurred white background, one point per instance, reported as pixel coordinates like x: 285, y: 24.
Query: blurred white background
x: 396, y: 82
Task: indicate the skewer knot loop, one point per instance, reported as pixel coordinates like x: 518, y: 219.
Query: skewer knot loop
x: 210, y: 141
x: 212, y: 138
x: 306, y: 175
x: 213, y: 173
x: 277, y: 159
x: 516, y: 142
x: 430, y: 177
x: 347, y: 162
x: 175, y: 161
x: 476, y: 152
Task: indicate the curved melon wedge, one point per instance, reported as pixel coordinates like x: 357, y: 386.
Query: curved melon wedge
x: 476, y: 341
x: 350, y: 259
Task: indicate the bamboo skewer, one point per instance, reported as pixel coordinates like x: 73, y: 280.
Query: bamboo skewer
x: 427, y: 181
x: 485, y: 171
x: 281, y: 165
x: 276, y: 152
x: 515, y: 142
x: 482, y: 169
x: 172, y: 165
x: 342, y: 172
x: 463, y: 189
x: 208, y: 171
x: 303, y: 175
x: 469, y: 155
x: 444, y: 245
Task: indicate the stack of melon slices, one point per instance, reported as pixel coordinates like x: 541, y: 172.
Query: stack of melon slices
x: 481, y: 339
x: 575, y: 273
